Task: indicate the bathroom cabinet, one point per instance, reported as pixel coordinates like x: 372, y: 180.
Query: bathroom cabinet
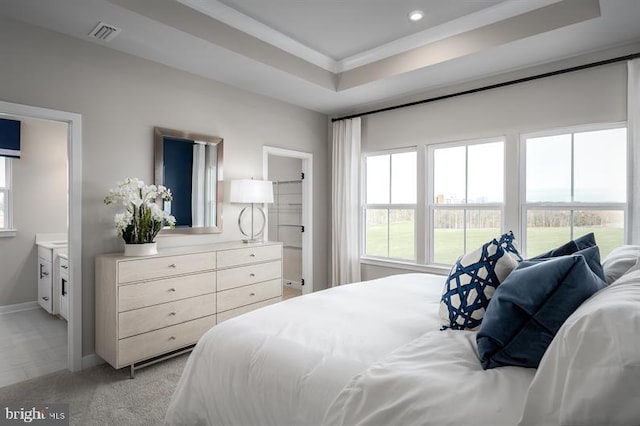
x: 48, y: 274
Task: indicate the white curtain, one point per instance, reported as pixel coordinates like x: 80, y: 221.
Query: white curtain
x: 198, y: 185
x: 633, y: 132
x: 211, y: 174
x: 345, y: 249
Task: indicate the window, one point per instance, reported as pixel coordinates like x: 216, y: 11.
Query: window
x: 548, y: 187
x: 466, y: 197
x: 575, y: 182
x: 5, y: 193
x: 390, y: 205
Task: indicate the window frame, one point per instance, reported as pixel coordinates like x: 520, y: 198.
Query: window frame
x: 571, y: 206
x: 6, y: 228
x: 431, y: 206
x: 364, y: 206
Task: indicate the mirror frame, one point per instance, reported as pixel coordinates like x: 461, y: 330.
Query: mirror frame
x: 158, y: 139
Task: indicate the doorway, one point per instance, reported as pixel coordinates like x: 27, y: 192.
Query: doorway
x: 74, y: 209
x: 290, y: 216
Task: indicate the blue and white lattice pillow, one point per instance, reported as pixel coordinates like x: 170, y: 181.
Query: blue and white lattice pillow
x: 473, y: 279
x: 508, y: 243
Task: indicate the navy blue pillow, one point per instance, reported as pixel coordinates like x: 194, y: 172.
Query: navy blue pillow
x: 529, y: 307
x: 592, y: 256
x: 585, y: 245
x: 586, y: 241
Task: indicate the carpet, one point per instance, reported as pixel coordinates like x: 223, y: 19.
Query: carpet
x: 103, y: 396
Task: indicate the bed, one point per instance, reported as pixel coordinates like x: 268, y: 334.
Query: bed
x: 373, y: 353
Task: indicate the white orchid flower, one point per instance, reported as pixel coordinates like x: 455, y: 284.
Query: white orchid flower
x: 141, y: 210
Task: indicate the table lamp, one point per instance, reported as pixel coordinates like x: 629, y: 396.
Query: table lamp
x: 250, y: 191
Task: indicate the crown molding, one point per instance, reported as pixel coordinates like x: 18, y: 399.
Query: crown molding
x: 242, y: 22
x: 484, y: 17
x: 230, y: 16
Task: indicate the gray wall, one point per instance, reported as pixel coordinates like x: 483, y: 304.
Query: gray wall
x: 39, y: 206
x: 121, y: 98
x: 596, y: 95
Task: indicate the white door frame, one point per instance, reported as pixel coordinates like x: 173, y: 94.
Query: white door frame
x: 307, y: 207
x: 74, y: 155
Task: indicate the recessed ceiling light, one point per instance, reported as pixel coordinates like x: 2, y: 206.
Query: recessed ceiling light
x: 416, y: 15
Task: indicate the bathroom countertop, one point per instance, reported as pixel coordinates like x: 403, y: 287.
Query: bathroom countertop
x: 52, y: 244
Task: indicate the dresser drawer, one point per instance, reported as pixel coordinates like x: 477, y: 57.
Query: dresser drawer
x: 143, y: 320
x: 151, y: 293
x: 165, y: 266
x: 244, y: 275
x: 143, y: 346
x: 246, y: 295
x: 235, y: 257
x: 244, y: 309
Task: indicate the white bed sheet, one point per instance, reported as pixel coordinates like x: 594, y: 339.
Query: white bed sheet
x: 286, y: 364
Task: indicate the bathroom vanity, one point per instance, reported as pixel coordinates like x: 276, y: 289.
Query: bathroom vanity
x: 49, y: 284
x: 65, y: 284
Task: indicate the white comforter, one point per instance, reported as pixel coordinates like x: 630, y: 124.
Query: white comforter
x: 365, y: 353
x: 436, y: 379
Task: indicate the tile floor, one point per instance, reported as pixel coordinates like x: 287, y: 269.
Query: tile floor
x: 32, y: 343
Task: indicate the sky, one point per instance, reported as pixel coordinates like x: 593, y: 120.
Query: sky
x: 599, y: 173
x: 600, y: 170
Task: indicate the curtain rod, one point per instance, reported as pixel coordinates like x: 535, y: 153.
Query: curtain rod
x: 494, y: 86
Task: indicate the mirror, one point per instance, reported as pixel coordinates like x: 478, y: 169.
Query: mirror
x: 190, y: 165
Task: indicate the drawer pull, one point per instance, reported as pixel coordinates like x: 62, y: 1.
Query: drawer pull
x: 252, y: 294
x: 45, y: 298
x: 252, y: 275
x: 252, y: 255
x: 172, y: 314
x: 173, y: 265
x: 172, y: 289
x: 172, y: 338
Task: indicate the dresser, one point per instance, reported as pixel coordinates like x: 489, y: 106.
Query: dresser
x: 150, y: 308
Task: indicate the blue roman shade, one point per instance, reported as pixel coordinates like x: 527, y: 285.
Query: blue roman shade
x: 9, y: 138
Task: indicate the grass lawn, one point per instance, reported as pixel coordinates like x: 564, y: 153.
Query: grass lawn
x: 449, y: 244
x: 401, y: 241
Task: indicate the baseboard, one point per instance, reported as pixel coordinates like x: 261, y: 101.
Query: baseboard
x: 91, y: 360
x: 293, y: 284
x: 8, y: 309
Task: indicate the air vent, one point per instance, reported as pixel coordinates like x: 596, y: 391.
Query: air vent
x: 104, y: 32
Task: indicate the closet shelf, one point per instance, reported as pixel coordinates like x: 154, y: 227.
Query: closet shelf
x: 278, y: 182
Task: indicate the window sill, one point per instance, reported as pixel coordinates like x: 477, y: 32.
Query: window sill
x: 7, y: 233
x: 407, y: 266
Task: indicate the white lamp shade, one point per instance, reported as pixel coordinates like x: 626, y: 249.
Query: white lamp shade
x: 251, y: 191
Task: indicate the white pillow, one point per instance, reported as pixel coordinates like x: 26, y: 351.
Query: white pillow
x: 590, y: 374
x: 619, y: 261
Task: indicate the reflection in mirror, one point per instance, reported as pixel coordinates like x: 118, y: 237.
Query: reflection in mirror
x: 190, y: 165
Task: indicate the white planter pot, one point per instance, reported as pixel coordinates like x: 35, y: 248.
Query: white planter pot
x: 147, y: 249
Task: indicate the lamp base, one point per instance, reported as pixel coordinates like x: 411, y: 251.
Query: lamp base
x: 253, y: 241
x: 252, y: 236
